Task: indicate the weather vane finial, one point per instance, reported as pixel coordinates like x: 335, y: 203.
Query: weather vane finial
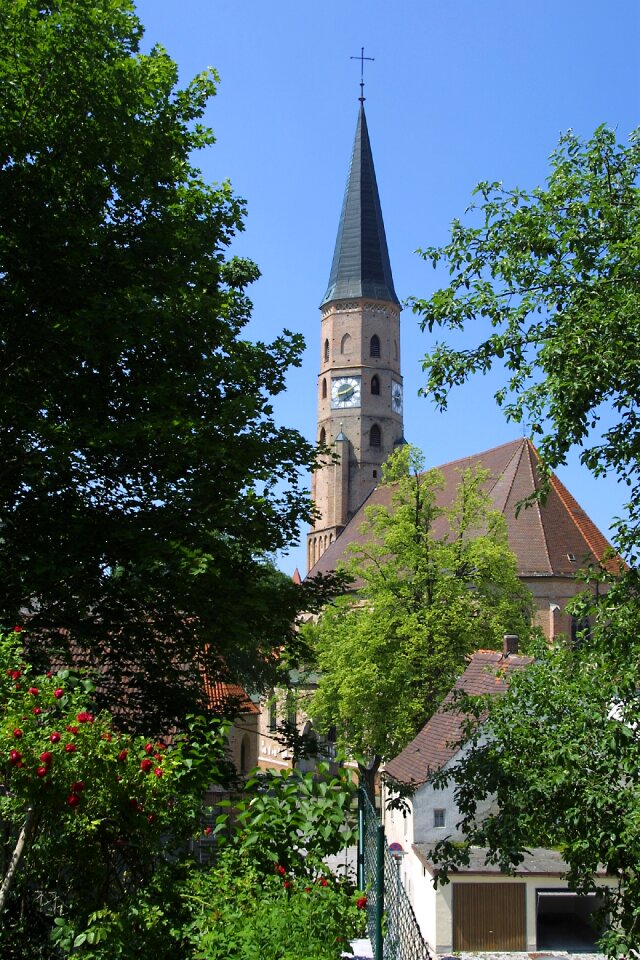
x: 362, y: 59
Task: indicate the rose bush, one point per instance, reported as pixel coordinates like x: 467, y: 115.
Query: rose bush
x: 87, y: 815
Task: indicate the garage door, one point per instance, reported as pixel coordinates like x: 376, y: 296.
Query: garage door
x: 489, y: 916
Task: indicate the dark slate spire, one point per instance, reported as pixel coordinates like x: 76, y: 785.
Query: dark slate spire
x: 361, y: 265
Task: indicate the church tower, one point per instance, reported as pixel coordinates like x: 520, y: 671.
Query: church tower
x: 359, y: 385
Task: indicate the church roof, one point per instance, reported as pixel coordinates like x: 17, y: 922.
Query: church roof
x: 554, y: 539
x: 439, y: 740
x: 361, y: 266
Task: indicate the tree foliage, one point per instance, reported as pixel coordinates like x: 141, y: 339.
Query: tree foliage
x: 433, y: 583
x: 144, y: 480
x: 559, y: 754
x: 545, y: 282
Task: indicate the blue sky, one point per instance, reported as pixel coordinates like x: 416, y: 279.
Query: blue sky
x: 459, y: 91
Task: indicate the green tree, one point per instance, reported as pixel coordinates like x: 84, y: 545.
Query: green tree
x: 545, y: 283
x: 433, y: 584
x: 547, y: 280
x: 144, y: 481
x: 560, y: 755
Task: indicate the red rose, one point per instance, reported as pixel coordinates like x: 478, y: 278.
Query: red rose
x: 148, y: 748
x: 15, y: 756
x: 208, y: 831
x: 161, y: 746
x: 15, y: 674
x: 42, y: 771
x: 361, y: 903
x: 145, y: 765
x: 58, y: 693
x: 46, y: 757
x: 135, y: 805
x: 158, y: 772
x: 70, y: 747
x: 151, y: 817
x: 324, y: 882
x: 34, y: 691
x: 106, y: 736
x: 287, y: 885
x: 77, y: 787
x: 122, y: 755
x: 17, y: 733
x: 280, y: 869
x: 37, y: 710
x: 73, y: 800
x: 55, y: 737
x: 307, y: 889
x: 72, y: 729
x: 17, y: 629
x: 48, y: 673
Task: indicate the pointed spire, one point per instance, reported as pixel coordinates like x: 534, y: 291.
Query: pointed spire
x: 361, y: 266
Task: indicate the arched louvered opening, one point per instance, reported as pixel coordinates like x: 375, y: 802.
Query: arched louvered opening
x: 375, y: 385
x: 326, y: 350
x: 346, y: 344
x: 374, y: 346
x: 324, y: 388
x: 323, y: 436
x: 375, y: 436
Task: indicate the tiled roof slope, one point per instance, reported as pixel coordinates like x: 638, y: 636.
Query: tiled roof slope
x: 220, y: 696
x: 543, y: 537
x: 488, y: 672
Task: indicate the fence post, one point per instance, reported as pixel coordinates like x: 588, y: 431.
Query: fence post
x: 380, y: 841
x: 361, y: 839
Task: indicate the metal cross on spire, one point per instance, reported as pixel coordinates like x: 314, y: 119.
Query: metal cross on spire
x: 362, y: 59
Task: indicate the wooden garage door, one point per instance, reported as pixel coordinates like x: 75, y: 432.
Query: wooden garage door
x: 489, y: 916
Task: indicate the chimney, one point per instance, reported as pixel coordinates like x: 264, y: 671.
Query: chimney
x: 509, y: 644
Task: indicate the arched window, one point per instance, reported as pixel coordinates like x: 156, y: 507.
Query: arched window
x: 345, y: 344
x: 323, y: 436
x: 273, y: 714
x: 375, y: 385
x: 395, y: 349
x: 245, y: 762
x: 324, y: 388
x: 374, y: 346
x: 292, y: 712
x: 375, y: 436
x: 326, y: 350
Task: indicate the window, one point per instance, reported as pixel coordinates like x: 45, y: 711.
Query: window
x: 323, y: 436
x: 324, y: 388
x: 326, y: 350
x: 245, y: 759
x: 438, y: 817
x: 375, y: 437
x: 345, y: 344
x: 374, y: 346
x: 375, y: 385
x: 292, y: 713
x: 273, y: 715
x: 580, y: 630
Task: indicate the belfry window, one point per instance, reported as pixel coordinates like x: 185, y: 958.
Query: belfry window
x: 324, y: 388
x: 374, y: 346
x: 326, y: 350
x: 375, y: 385
x: 375, y: 436
x: 345, y: 344
x: 323, y: 436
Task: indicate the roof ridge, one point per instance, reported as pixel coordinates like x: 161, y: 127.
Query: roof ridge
x: 482, y: 453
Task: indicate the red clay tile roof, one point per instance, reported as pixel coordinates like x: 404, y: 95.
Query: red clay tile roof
x: 219, y: 695
x: 438, y: 741
x: 543, y: 537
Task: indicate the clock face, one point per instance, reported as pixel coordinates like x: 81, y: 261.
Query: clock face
x: 396, y: 396
x: 345, y: 392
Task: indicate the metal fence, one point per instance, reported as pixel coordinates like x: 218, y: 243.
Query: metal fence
x: 391, y: 922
